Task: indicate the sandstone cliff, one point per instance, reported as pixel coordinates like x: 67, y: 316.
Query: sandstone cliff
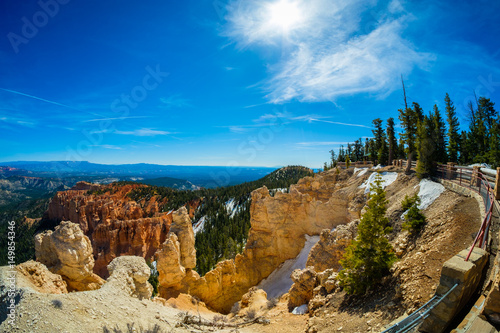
x: 68, y: 252
x: 115, y: 224
x: 177, y: 257
x: 279, y: 225
x: 330, y: 248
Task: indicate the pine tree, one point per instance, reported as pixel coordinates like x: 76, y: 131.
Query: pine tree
x: 373, y: 151
x: 487, y: 112
x: 370, y: 256
x: 465, y: 147
x: 453, y: 127
x: 494, y: 153
x: 425, y: 147
x: 381, y: 148
x: 409, y: 121
x: 439, y: 136
x: 391, y: 138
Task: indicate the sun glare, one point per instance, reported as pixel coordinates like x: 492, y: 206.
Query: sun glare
x: 284, y: 14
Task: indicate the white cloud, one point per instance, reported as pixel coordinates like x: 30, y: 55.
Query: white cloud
x: 174, y: 101
x: 337, y: 48
x: 108, y: 147
x: 143, y: 132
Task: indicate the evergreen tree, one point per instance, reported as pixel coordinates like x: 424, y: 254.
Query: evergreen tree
x: 378, y: 133
x: 401, y: 149
x: 465, y: 147
x: 391, y: 138
x: 358, y: 150
x: 370, y: 256
x: 453, y: 127
x: 425, y: 147
x: 487, y: 112
x: 419, y: 112
x: 494, y: 153
x: 439, y: 136
x: 333, y: 159
x: 383, y: 153
x: 409, y: 121
x: 341, y: 157
x: 381, y: 148
x: 373, y: 151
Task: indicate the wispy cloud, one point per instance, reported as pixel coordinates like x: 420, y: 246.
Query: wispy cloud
x: 174, y: 101
x: 39, y: 98
x: 332, y: 52
x: 116, y: 118
x: 339, y: 123
x: 143, y: 132
x: 108, y: 147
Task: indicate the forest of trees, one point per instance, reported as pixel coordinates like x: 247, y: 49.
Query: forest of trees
x: 224, y: 234
x: 430, y: 138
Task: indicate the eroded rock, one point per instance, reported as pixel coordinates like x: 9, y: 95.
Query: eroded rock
x: 68, y: 252
x: 330, y: 248
x: 129, y: 275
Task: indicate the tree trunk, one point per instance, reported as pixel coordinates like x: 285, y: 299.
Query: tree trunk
x: 408, y: 163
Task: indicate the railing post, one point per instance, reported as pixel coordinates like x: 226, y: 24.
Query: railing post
x: 496, y: 190
x: 450, y: 170
x: 474, y: 180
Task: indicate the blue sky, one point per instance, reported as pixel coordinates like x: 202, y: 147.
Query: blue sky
x: 248, y: 83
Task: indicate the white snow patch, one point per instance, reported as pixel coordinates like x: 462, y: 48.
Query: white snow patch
x: 363, y: 171
x: 279, y: 281
x: 232, y: 208
x: 482, y: 165
x: 300, y: 310
x: 377, y: 167
x: 282, y: 190
x: 199, y: 225
x: 387, y: 179
x: 429, y: 192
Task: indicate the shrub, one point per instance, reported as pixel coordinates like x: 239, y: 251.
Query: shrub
x: 414, y: 219
x: 368, y: 258
x: 56, y: 303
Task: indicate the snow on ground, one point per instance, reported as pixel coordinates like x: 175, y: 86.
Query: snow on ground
x: 377, y: 167
x: 429, y: 192
x: 387, y: 179
x: 279, y: 282
x: 300, y: 310
x: 363, y: 171
x: 282, y: 190
x: 199, y: 225
x: 232, y: 208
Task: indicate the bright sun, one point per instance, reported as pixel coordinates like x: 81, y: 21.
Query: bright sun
x: 284, y: 14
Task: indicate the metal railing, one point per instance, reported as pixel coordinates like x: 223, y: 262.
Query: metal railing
x: 414, y: 319
x: 479, y: 182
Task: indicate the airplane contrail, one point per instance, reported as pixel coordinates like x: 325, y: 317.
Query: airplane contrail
x: 40, y: 99
x: 338, y: 123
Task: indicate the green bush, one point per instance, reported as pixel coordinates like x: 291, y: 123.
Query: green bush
x: 370, y: 256
x: 414, y: 219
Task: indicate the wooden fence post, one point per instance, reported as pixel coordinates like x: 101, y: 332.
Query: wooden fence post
x: 497, y: 185
x: 474, y: 180
x: 451, y: 170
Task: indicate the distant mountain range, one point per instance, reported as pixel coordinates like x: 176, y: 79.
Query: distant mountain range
x: 202, y: 176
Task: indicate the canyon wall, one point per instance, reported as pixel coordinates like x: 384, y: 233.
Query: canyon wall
x: 278, y: 228
x: 115, y: 224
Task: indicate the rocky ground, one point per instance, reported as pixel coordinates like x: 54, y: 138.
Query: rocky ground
x: 452, y: 220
